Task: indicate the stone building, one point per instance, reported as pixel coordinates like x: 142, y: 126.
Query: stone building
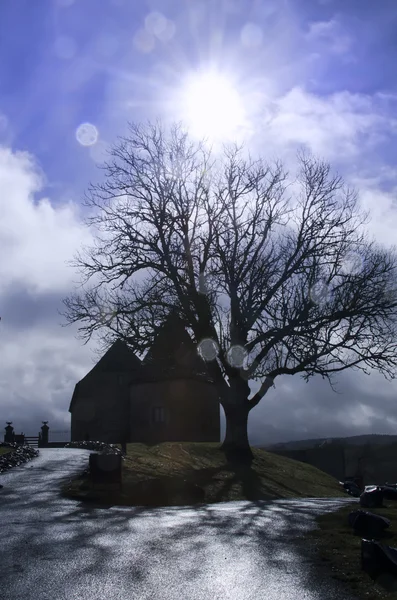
x: 169, y: 396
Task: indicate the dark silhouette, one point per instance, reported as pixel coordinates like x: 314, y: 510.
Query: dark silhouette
x: 168, y: 397
x: 267, y: 287
x: 9, y: 434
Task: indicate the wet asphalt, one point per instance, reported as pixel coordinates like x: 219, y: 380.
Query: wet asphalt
x: 53, y: 548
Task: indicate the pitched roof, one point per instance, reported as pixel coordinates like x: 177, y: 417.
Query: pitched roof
x: 168, y: 340
x: 118, y: 358
x: 172, y: 355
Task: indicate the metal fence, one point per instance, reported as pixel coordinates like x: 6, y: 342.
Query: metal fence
x: 59, y: 436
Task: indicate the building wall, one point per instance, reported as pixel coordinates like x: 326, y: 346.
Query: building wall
x: 101, y: 409
x: 192, y: 412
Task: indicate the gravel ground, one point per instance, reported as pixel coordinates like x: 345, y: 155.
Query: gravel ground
x: 54, y: 547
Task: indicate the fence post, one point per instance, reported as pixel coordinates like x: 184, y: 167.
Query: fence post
x: 44, y: 434
x: 9, y: 434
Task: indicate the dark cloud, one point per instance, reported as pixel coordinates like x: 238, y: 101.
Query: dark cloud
x: 20, y: 308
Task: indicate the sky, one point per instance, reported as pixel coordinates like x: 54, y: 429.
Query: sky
x: 318, y: 74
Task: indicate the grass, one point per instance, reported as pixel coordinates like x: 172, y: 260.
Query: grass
x: 203, y: 464
x: 5, y: 450
x: 336, y: 544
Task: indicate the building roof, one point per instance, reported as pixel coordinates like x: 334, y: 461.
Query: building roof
x: 118, y: 358
x: 171, y: 335
x: 173, y: 355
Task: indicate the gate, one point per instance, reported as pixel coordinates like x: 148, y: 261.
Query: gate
x: 35, y: 441
x: 32, y: 440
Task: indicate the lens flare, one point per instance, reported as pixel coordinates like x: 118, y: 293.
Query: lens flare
x: 208, y: 349
x: 87, y: 134
x: 321, y: 293
x: 236, y: 356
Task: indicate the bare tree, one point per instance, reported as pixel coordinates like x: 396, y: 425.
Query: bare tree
x: 271, y: 285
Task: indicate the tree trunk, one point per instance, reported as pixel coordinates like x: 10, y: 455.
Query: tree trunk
x: 236, y: 445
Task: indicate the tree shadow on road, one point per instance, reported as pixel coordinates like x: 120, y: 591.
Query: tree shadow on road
x: 43, y: 532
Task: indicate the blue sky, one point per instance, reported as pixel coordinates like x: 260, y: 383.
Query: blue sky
x: 314, y: 73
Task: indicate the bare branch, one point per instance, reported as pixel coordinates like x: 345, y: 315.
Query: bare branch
x: 170, y: 216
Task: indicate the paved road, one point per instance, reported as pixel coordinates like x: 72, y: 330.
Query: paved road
x: 57, y: 549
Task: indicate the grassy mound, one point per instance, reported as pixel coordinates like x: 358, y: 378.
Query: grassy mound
x: 5, y: 450
x: 186, y: 473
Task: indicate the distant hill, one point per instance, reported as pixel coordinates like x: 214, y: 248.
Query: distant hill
x: 356, y: 440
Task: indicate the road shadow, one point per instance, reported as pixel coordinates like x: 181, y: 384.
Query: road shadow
x: 40, y: 529
x: 188, y: 488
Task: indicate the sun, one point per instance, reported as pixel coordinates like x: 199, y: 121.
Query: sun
x: 212, y: 108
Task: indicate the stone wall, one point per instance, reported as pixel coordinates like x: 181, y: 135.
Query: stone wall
x: 192, y: 412
x: 100, y: 409
x: 56, y: 444
x: 107, y: 410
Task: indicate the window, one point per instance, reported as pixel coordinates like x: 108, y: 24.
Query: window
x: 158, y: 415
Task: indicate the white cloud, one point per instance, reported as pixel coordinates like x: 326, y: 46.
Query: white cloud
x: 36, y: 237
x: 331, y: 34
x: 41, y: 361
x: 382, y: 206
x: 339, y: 126
x: 40, y: 366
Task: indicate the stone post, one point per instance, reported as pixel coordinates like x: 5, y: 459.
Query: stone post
x: 9, y: 434
x: 44, y: 434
